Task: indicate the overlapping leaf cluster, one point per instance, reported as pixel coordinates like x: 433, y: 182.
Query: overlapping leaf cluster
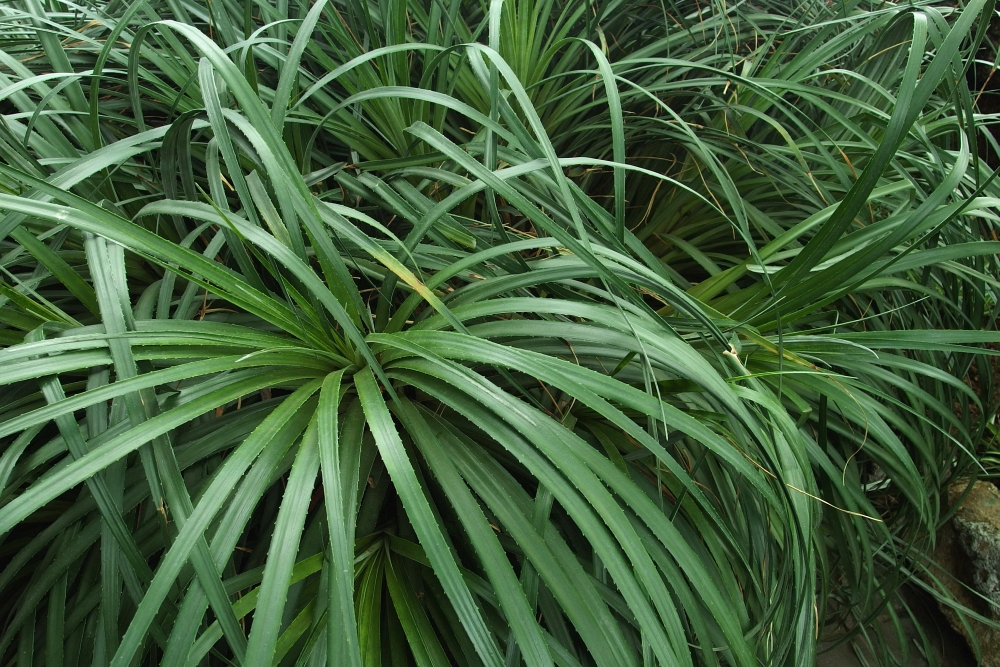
x: 440, y: 332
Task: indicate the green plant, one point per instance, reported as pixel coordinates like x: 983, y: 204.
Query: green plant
x: 446, y: 333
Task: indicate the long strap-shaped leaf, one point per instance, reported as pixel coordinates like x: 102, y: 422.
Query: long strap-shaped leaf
x: 552, y: 440
x: 401, y: 471
x: 342, y: 627
x: 135, y: 570
x: 555, y: 562
x: 283, y: 550
x: 910, y: 101
x: 65, y: 478
x: 255, y: 483
x: 581, y: 248
x: 193, y: 531
x: 65, y: 406
x: 87, y: 216
x: 158, y: 458
x: 519, y: 615
x: 293, y: 193
x: 290, y: 69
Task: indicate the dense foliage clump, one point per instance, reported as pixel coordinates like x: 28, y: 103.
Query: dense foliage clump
x: 465, y: 333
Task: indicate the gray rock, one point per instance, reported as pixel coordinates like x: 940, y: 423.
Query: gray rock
x: 981, y: 542
x: 968, y: 554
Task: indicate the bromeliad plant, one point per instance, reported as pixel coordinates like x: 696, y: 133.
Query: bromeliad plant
x: 437, y: 333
